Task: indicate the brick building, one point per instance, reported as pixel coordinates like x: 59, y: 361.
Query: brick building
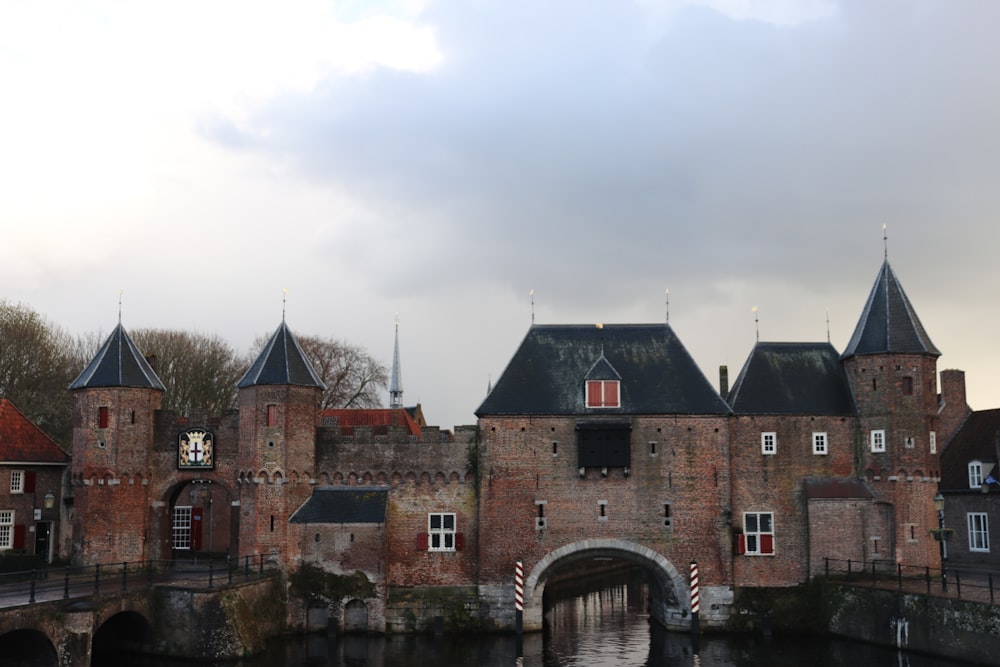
x: 33, y: 471
x: 596, y: 442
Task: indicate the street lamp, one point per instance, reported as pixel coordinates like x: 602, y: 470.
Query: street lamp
x: 939, y: 506
x: 49, y: 500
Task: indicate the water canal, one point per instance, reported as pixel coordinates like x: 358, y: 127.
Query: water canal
x: 596, y: 625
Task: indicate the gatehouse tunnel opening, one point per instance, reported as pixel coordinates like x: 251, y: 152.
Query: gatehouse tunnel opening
x: 27, y: 648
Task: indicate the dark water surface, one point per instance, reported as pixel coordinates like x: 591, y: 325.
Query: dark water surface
x: 603, y: 627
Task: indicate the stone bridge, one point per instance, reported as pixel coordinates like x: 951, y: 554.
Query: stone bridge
x: 230, y: 620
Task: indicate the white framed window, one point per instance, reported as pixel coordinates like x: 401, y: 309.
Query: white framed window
x: 975, y: 474
x: 819, y: 443
x: 932, y: 441
x: 17, y: 481
x: 6, y: 529
x: 441, y: 531
x: 603, y: 394
x: 878, y: 440
x: 979, y: 531
x: 182, y: 527
x: 758, y: 534
x: 768, y: 443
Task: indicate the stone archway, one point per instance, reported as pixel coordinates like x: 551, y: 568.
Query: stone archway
x: 197, y: 518
x: 669, y: 592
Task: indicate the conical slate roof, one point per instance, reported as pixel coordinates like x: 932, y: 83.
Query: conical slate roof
x: 281, y: 362
x: 118, y: 364
x: 889, y: 324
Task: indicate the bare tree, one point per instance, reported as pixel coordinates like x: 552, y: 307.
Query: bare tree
x: 37, y: 362
x: 353, y: 378
x: 199, y: 371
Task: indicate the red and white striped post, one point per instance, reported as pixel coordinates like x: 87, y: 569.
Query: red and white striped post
x: 519, y: 596
x: 695, y: 601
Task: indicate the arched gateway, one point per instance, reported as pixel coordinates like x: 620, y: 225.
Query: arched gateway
x: 669, y: 593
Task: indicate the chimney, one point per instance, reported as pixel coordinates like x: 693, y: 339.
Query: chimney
x: 952, y: 406
x: 724, y: 380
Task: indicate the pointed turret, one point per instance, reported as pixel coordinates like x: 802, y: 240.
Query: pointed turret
x: 889, y: 324
x: 118, y: 364
x: 396, y: 383
x: 281, y: 362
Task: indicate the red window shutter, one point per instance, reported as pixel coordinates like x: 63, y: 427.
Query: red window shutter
x: 611, y: 394
x: 767, y: 544
x: 29, y: 481
x: 19, y: 536
x: 102, y: 417
x: 741, y: 544
x: 459, y: 541
x: 422, y: 542
x: 593, y: 394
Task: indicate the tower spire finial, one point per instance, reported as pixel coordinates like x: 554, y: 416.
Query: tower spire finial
x: 284, y: 299
x: 532, y: 295
x: 121, y: 293
x: 667, y: 301
x: 396, y: 381
x: 756, y: 323
x: 885, y: 243
x: 827, y: 325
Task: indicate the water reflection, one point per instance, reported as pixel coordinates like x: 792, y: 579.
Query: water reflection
x: 608, y: 626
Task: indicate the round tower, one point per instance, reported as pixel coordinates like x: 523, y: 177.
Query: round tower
x: 114, y: 403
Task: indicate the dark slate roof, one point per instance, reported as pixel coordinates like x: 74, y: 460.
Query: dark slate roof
x: 826, y: 488
x: 118, y: 364
x: 547, y: 373
x: 792, y: 379
x: 281, y: 362
x: 23, y: 442
x: 888, y: 322
x: 329, y: 504
x: 977, y: 439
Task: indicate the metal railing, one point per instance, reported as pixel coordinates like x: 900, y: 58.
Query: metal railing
x: 53, y: 583
x: 961, y: 584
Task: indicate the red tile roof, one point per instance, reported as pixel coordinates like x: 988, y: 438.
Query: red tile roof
x: 378, y: 419
x: 23, y: 442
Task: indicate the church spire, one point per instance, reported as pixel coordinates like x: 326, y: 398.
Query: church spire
x: 396, y: 382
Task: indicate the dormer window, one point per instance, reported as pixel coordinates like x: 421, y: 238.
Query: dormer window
x: 603, y: 394
x: 975, y: 474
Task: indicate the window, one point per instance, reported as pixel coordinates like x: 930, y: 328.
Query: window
x: 878, y: 440
x: 907, y: 386
x: 932, y: 439
x: 6, y: 529
x: 17, y: 481
x: 758, y: 534
x: 604, y: 445
x: 272, y: 415
x: 768, y: 443
x: 975, y: 474
x: 819, y: 443
x: 102, y: 417
x: 603, y: 394
x: 979, y: 532
x: 182, y: 527
x: 441, y: 532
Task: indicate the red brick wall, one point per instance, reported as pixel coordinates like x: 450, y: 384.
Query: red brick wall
x: 688, y: 469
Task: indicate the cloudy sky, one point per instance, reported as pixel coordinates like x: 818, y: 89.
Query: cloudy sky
x: 440, y: 160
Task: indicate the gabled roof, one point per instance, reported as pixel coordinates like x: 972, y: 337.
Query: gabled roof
x: 379, y: 419
x: 888, y: 323
x: 792, y: 379
x: 547, y: 373
x: 23, y: 442
x: 832, y: 488
x: 281, y: 362
x: 118, y: 364
x: 329, y: 504
x: 976, y: 440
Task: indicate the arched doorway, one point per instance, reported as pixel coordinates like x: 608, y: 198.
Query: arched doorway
x: 356, y: 616
x: 668, y: 592
x: 200, y: 521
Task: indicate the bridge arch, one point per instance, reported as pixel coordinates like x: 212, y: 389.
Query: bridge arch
x: 668, y: 591
x: 28, y: 647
